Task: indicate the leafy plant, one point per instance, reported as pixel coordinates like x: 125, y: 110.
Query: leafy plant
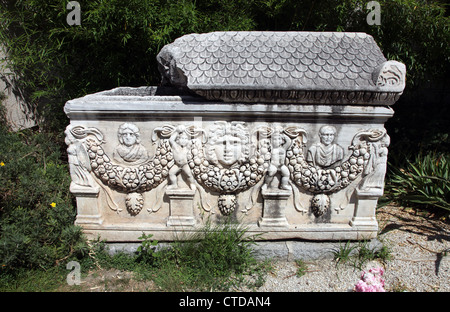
x: 37, y: 211
x: 216, y: 256
x: 301, y: 267
x: 365, y: 254
x: 423, y: 182
x: 34, y: 280
x: 146, y: 252
x: 342, y: 254
x: 224, y: 246
x: 115, y: 45
x: 212, y: 258
x: 359, y: 253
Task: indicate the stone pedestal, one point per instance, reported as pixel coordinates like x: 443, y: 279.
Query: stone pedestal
x: 274, y: 206
x: 181, y: 205
x: 366, y: 203
x: 87, y: 206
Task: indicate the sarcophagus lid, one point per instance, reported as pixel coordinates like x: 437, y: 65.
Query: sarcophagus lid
x: 286, y: 67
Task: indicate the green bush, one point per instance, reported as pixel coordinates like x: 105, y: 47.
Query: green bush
x: 423, y: 182
x: 214, y: 258
x: 36, y: 209
x: 26, y: 280
x: 115, y: 45
x: 217, y: 250
x: 146, y: 252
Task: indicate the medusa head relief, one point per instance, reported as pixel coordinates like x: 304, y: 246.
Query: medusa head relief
x: 228, y: 143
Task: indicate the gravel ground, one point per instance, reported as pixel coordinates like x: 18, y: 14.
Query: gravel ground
x: 418, y: 262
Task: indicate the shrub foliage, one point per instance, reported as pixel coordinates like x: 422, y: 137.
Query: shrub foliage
x: 115, y: 45
x: 36, y: 209
x: 423, y: 181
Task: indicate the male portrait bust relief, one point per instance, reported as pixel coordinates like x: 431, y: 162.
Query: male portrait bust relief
x: 130, y: 150
x: 325, y: 153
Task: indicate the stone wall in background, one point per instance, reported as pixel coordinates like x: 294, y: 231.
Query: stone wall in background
x: 17, y: 114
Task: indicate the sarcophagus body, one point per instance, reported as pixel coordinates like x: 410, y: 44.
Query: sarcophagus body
x: 280, y: 131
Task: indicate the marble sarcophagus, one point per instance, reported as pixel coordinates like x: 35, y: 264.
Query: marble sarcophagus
x: 280, y: 131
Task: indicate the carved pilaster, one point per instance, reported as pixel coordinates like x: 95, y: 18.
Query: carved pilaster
x: 87, y: 206
x: 274, y: 206
x: 364, y: 216
x: 181, y: 205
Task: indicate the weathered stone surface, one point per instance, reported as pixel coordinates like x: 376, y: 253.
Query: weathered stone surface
x: 280, y: 250
x: 323, y: 67
x: 17, y: 113
x: 303, y: 164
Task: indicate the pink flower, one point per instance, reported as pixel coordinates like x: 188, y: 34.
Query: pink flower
x: 371, y: 281
x: 379, y: 271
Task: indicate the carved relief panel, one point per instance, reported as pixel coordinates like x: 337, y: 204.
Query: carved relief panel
x: 225, y: 158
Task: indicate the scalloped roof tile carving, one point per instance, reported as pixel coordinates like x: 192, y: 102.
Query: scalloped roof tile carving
x: 235, y: 62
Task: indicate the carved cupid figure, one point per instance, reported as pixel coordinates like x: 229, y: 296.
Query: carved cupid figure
x: 180, y: 139
x: 280, y: 142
